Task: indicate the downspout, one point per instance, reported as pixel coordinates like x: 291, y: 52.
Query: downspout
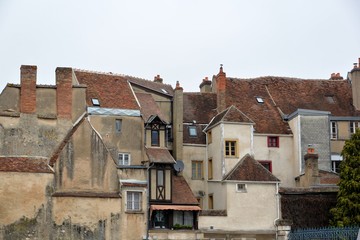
x: 277, y: 209
x: 148, y: 201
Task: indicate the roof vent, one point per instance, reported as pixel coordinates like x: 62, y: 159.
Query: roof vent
x: 259, y: 99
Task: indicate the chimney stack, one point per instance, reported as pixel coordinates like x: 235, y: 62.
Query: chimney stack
x: 312, y: 167
x: 178, y: 113
x: 158, y: 79
x: 64, y: 92
x: 205, y: 86
x: 354, y: 75
x: 28, y: 89
x: 221, y: 89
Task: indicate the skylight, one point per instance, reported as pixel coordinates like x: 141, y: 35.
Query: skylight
x: 259, y: 100
x: 330, y: 99
x: 163, y: 90
x: 95, y: 102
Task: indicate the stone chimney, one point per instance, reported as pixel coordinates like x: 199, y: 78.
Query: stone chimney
x: 158, y: 79
x: 336, y: 76
x: 64, y: 92
x: 312, y: 176
x: 205, y: 86
x: 354, y: 75
x: 178, y: 105
x: 221, y: 89
x: 28, y: 89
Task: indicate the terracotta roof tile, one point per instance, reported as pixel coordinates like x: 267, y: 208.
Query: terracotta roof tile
x: 181, y: 192
x: 284, y: 96
x: 155, y: 86
x: 199, y: 139
x: 231, y: 114
x: 148, y: 106
x: 159, y: 155
x: 112, y: 91
x: 200, y: 107
x: 248, y: 169
x: 25, y: 164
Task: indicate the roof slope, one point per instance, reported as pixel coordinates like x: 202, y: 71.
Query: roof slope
x: 181, y: 192
x: 231, y: 114
x: 112, y: 91
x: 248, y: 169
x: 25, y: 164
x: 159, y: 155
x: 284, y: 96
x: 148, y: 106
x: 155, y: 86
x: 200, y: 137
x: 200, y: 107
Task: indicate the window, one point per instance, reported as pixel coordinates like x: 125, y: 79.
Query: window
x: 209, y: 137
x: 273, y: 141
x: 185, y: 218
x: 353, y: 127
x: 267, y: 165
x: 160, y: 184
x: 155, y: 138
x: 118, y: 124
x: 192, y: 131
x: 95, y: 102
x: 211, y: 202
x: 168, y: 134
x: 240, y: 187
x: 133, y: 201
x: 335, y: 162
x: 197, y: 169
x: 124, y: 159
x: 333, y: 130
x: 230, y: 149
x: 210, y: 169
x: 259, y: 100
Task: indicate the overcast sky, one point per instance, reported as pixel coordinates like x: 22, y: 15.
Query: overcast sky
x: 180, y: 40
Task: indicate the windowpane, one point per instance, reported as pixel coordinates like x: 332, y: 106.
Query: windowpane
x: 230, y: 148
x: 133, y: 201
x: 196, y: 169
x: 154, y: 138
x: 188, y: 218
x: 333, y: 129
x: 192, y: 131
x: 273, y: 141
x: 118, y: 125
x: 124, y: 159
x: 160, y: 178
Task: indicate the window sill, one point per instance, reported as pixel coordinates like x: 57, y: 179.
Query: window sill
x: 134, y: 212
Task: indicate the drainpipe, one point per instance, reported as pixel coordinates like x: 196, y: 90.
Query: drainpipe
x: 277, y: 209
x: 148, y: 201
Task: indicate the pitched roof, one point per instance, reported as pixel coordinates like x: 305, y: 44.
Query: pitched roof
x: 248, y: 169
x: 159, y: 155
x: 181, y: 192
x: 112, y: 91
x: 25, y: 164
x: 200, y: 107
x: 283, y: 96
x: 199, y: 139
x: 231, y: 114
x: 162, y: 88
x: 148, y: 106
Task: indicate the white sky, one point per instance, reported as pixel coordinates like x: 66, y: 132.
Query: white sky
x: 181, y: 40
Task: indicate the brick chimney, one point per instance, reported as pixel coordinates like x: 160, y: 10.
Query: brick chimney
x: 64, y: 92
x: 221, y: 89
x: 205, y: 86
x: 158, y: 79
x: 178, y: 107
x: 312, y: 176
x: 354, y: 76
x: 28, y: 89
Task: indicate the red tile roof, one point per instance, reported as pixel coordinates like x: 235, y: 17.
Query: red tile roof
x: 25, y: 164
x: 200, y: 107
x: 112, y: 91
x: 284, y: 96
x: 148, y: 106
x: 159, y: 155
x: 181, y: 192
x: 248, y: 169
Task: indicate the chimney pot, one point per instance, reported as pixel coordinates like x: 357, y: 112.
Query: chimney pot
x: 158, y: 79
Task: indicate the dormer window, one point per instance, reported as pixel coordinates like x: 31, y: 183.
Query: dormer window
x: 259, y: 99
x: 95, y: 102
x: 192, y: 131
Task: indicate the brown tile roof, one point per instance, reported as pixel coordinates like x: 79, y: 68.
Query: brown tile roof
x: 284, y: 96
x: 154, y: 86
x: 200, y: 107
x: 231, y: 114
x: 148, y: 106
x: 112, y: 91
x: 248, y: 169
x: 181, y: 192
x: 159, y: 155
x: 199, y: 139
x: 25, y: 164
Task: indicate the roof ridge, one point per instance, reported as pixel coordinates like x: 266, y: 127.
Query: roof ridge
x: 285, y: 78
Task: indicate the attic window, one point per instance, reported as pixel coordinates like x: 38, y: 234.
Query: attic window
x: 259, y: 100
x: 240, y: 187
x: 192, y: 131
x: 95, y: 102
x: 330, y: 99
x: 163, y: 90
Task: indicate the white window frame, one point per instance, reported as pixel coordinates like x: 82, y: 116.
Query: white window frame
x: 121, y: 159
x: 353, y: 125
x: 241, y: 187
x: 333, y: 130
x: 133, y: 204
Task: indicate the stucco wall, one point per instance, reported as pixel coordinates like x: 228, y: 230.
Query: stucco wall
x: 281, y: 157
x: 219, y: 193
x: 22, y: 195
